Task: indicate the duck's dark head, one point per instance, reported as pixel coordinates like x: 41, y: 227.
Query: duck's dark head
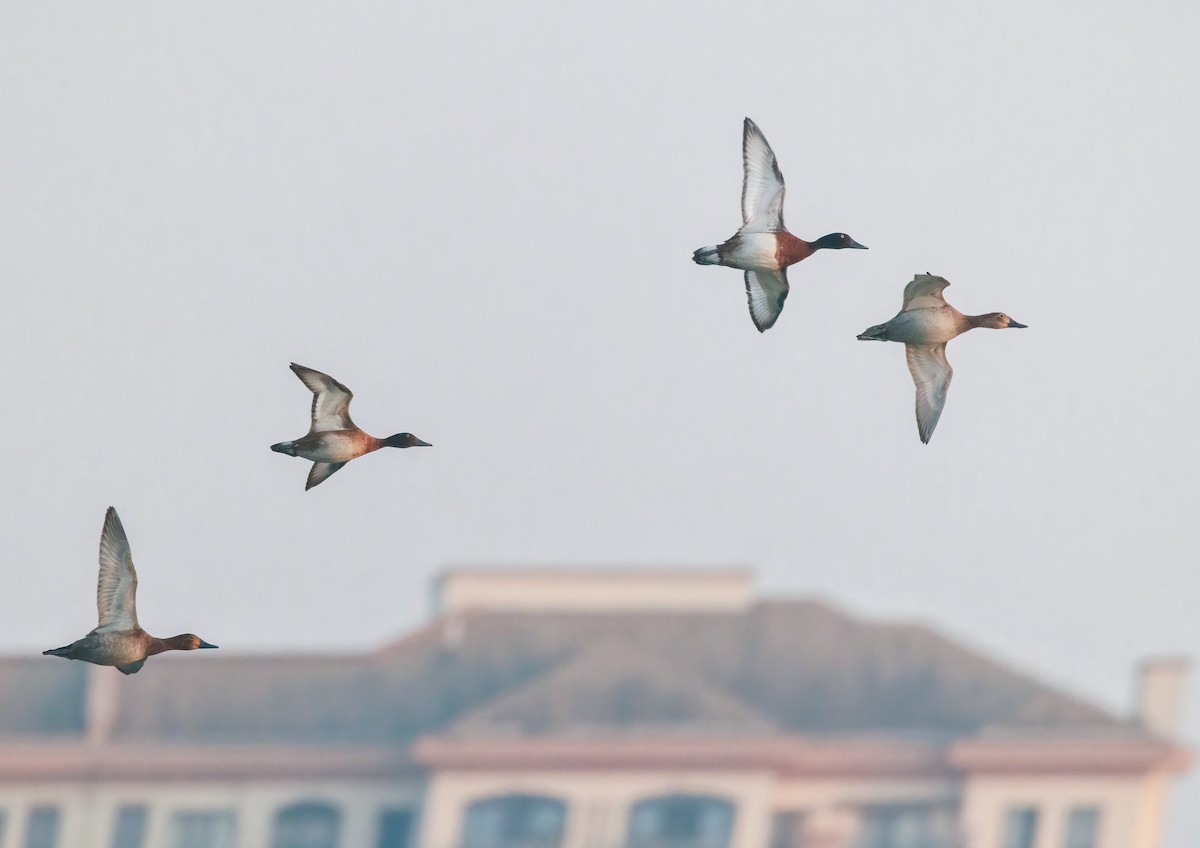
x: 997, y: 321
x: 405, y: 440
x: 837, y: 241
x: 187, y: 642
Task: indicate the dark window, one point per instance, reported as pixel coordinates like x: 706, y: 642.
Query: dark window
x: 203, y: 829
x: 396, y: 829
x: 907, y: 826
x: 41, y: 829
x: 1020, y: 827
x: 681, y: 821
x: 307, y: 825
x: 130, y: 828
x: 1083, y: 828
x: 787, y: 830
x: 515, y: 821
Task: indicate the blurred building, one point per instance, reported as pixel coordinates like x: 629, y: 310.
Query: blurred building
x: 586, y: 709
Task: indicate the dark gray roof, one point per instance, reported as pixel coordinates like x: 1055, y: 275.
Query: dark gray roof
x: 794, y: 665
x: 38, y: 698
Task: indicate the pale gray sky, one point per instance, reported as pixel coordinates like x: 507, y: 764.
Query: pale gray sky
x: 480, y: 218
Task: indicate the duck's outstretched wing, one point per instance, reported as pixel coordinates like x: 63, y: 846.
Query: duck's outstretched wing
x: 116, y: 587
x: 766, y: 292
x: 320, y: 472
x: 924, y: 291
x: 762, y: 184
x: 931, y: 373
x: 331, y: 400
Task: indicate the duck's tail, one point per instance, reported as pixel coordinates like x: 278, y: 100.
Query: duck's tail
x: 64, y: 651
x: 878, y: 333
x: 285, y: 447
x: 707, y: 255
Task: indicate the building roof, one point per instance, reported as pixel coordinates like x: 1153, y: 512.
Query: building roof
x: 615, y: 687
x: 41, y: 699
x: 787, y: 666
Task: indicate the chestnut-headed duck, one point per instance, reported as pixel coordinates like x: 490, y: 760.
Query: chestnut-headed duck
x: 763, y: 247
x: 118, y: 640
x: 333, y: 439
x: 925, y: 323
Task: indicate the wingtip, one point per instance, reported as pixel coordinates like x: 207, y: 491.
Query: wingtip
x: 112, y: 523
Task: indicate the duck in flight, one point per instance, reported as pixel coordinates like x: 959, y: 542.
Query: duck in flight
x: 333, y: 439
x: 118, y: 640
x: 763, y: 247
x: 925, y: 323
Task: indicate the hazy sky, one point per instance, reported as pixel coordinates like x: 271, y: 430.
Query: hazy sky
x: 480, y: 218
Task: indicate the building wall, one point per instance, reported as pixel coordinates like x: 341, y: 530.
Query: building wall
x: 831, y: 807
x: 598, y: 802
x: 1131, y: 807
x: 88, y: 810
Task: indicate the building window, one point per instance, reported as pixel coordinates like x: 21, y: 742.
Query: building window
x: 907, y: 826
x: 130, y: 828
x: 41, y: 829
x: 681, y: 821
x: 307, y: 825
x: 203, y: 829
x: 1020, y: 827
x: 515, y: 821
x: 787, y: 829
x: 1083, y: 828
x: 396, y: 829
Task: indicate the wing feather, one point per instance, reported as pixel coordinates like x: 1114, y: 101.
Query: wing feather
x: 931, y: 373
x: 320, y: 472
x: 762, y: 184
x: 924, y: 291
x: 331, y: 400
x: 766, y: 292
x: 116, y: 586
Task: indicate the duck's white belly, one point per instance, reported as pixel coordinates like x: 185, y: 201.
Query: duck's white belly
x: 752, y: 252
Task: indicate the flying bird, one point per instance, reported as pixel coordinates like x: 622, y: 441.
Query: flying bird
x: 925, y: 323
x: 763, y: 247
x: 333, y: 439
x: 118, y: 640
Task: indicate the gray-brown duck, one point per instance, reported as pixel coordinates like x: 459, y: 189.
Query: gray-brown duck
x: 924, y: 324
x: 118, y: 640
